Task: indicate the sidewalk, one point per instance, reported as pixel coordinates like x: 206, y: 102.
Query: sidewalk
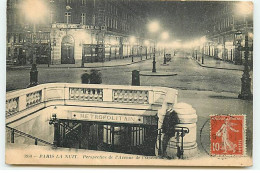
x: 210, y: 62
x: 112, y: 63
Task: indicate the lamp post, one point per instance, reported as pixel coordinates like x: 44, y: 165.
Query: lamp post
x: 146, y: 43
x: 33, y: 71
x: 202, y: 60
x: 203, y: 40
x: 82, y: 36
x: 141, y: 52
x: 83, y: 56
x: 245, y: 94
x: 153, y: 28
x: 35, y: 11
x: 154, y: 62
x: 132, y: 52
x: 53, y: 45
x: 165, y: 36
x: 132, y: 42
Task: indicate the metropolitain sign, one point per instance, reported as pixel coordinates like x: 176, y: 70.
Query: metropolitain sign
x: 115, y: 118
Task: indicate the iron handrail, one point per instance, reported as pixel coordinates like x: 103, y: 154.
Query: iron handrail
x: 26, y: 135
x: 182, y: 131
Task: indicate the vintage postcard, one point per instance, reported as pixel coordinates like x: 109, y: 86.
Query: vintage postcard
x: 129, y: 82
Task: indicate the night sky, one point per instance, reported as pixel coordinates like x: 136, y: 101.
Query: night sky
x: 186, y: 20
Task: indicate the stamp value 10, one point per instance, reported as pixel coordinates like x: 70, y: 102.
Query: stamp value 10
x: 227, y: 135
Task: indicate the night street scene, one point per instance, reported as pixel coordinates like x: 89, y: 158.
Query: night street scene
x: 129, y: 82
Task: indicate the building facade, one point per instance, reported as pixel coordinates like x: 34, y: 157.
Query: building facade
x: 76, y: 31
x: 226, y: 30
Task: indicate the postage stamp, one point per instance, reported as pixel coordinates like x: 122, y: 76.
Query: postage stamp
x: 227, y: 135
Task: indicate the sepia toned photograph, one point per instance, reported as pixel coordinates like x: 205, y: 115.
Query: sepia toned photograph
x: 129, y: 82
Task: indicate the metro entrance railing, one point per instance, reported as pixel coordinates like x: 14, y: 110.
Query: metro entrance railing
x: 20, y: 133
x: 140, y: 105
x: 23, y: 102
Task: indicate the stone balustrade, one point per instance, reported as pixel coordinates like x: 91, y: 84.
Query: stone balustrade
x: 153, y: 102
x: 23, y: 102
x: 12, y: 106
x: 33, y: 98
x: 87, y: 94
x: 131, y: 96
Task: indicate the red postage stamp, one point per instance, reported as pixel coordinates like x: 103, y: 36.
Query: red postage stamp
x: 227, y: 135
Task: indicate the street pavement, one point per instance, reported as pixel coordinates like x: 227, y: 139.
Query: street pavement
x: 112, y: 63
x: 210, y: 62
x: 208, y: 90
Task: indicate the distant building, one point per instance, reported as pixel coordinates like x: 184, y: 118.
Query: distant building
x: 226, y: 33
x: 76, y: 31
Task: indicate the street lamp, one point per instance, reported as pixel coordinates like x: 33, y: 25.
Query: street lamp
x: 132, y: 42
x: 146, y: 43
x: 245, y: 9
x: 53, y: 45
x: 82, y: 36
x: 35, y: 11
x: 203, y: 40
x: 195, y: 47
x: 164, y: 36
x: 153, y: 28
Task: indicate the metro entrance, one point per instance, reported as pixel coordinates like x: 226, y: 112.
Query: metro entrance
x: 104, y: 136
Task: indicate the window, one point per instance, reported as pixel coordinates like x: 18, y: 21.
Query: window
x: 106, y: 20
x: 94, y: 20
x: 14, y: 38
x: 51, y: 17
x: 83, y: 2
x: 68, y: 17
x: 20, y: 38
x: 8, y: 38
x: 114, y: 25
x: 15, y: 19
x: 83, y: 18
x: 9, y: 51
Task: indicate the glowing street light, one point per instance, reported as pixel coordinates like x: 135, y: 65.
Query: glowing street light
x: 153, y: 27
x: 146, y: 43
x: 245, y: 9
x: 203, y: 40
x: 164, y: 36
x: 36, y: 11
x: 132, y: 40
x: 82, y: 36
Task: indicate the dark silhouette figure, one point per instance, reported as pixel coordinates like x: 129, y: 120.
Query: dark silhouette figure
x: 168, y: 128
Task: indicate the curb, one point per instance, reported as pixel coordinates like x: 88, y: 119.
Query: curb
x: 104, y: 66
x: 159, y: 74
x: 220, y: 68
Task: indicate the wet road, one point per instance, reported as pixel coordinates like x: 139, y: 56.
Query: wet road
x: 209, y: 91
x: 190, y: 76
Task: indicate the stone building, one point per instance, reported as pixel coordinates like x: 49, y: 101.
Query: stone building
x: 76, y: 31
x: 226, y: 30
